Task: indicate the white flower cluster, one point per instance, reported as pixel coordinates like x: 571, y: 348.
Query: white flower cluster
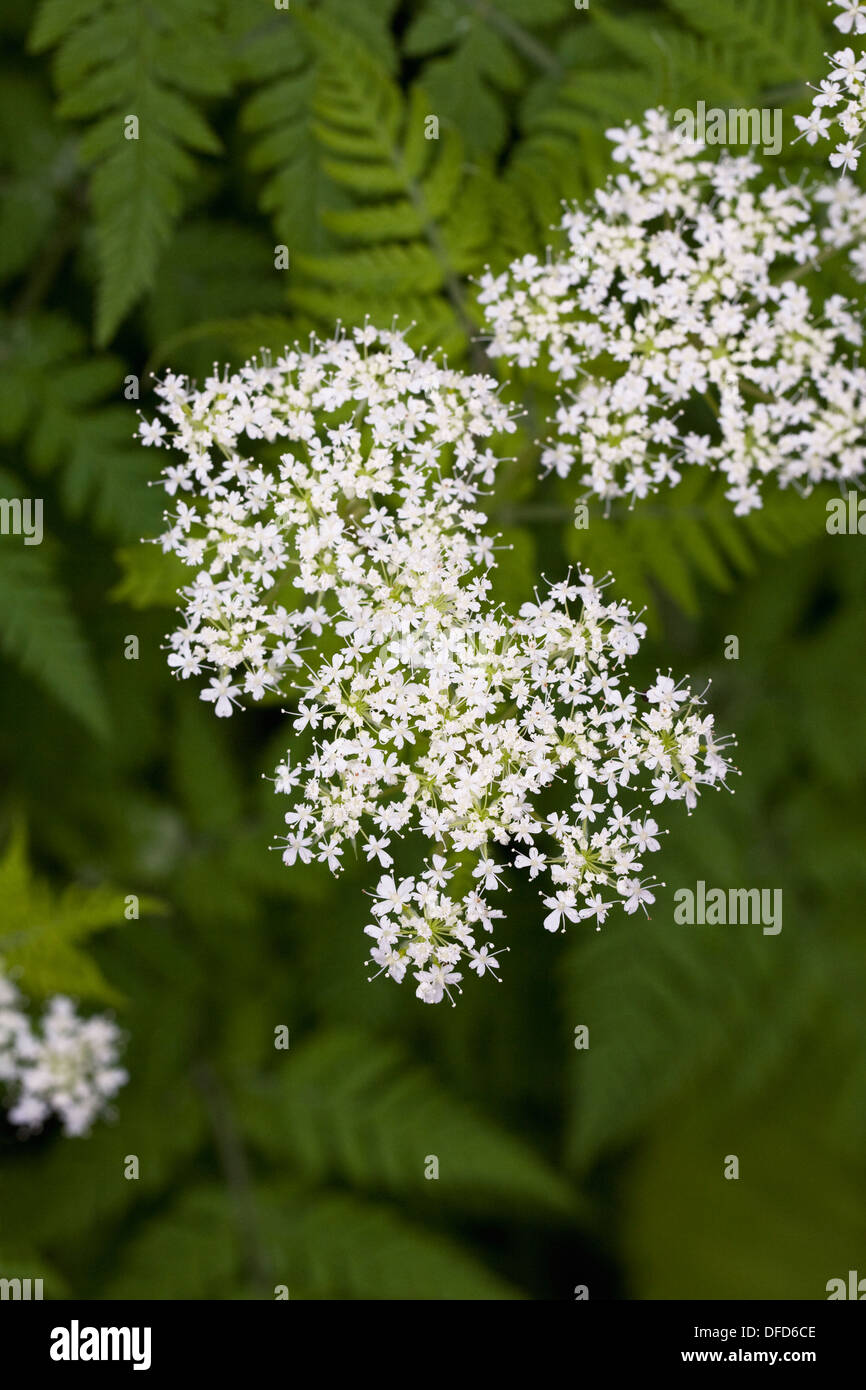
x: 490, y: 724
x: 432, y: 710
x: 839, y: 104
x: 689, y: 341
x: 370, y: 491
x: 67, y: 1067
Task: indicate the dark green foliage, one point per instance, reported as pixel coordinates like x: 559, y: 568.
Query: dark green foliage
x: 154, y: 64
x: 259, y: 1167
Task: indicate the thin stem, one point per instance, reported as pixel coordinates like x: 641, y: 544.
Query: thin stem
x: 530, y: 47
x: 49, y: 265
x: 233, y: 1161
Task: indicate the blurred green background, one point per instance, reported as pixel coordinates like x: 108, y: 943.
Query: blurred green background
x: 558, y: 1167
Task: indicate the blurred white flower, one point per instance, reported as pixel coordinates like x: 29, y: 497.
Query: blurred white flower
x: 67, y: 1067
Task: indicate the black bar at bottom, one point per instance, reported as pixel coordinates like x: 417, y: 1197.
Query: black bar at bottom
x: 83, y: 1339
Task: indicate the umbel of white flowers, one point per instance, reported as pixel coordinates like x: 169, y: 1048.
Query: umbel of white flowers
x: 333, y: 494
x: 839, y: 104
x: 66, y: 1067
x: 677, y: 330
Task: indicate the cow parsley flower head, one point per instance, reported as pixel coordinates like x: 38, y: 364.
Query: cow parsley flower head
x: 679, y: 333
x: 68, y: 1067
x: 333, y: 495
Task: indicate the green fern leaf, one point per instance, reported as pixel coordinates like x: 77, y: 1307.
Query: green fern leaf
x: 350, y: 1107
x: 41, y: 635
x: 278, y: 117
x: 150, y: 577
x: 116, y: 61
x: 211, y: 339
x: 420, y: 219
x: 427, y: 319
x: 396, y: 269
x: 317, y: 1245
x: 481, y: 58
x: 37, y: 172
x: 599, y: 94
x: 468, y: 85
x: 52, y: 398
x: 667, y: 1002
x: 547, y: 168
x: 41, y: 931
x: 191, y: 1251
x: 685, y: 67
x: 274, y: 52
x: 673, y: 544
x: 339, y: 1246
x: 662, y: 1003
x: 784, y: 40
x: 213, y: 272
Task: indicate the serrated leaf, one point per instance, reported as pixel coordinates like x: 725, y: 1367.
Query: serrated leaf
x: 110, y: 67
x: 53, y: 404
x: 41, y: 930
x: 783, y: 38
x: 348, y: 1106
x: 339, y: 1246
x: 40, y: 633
x: 151, y: 577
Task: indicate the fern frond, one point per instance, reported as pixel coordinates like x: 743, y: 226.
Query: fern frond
x: 114, y: 61
x: 662, y: 1003
x: 339, y: 1246
x: 41, y: 930
x: 149, y: 577
x: 40, y: 633
x: 276, y: 54
x: 471, y: 71
x: 675, y: 543
x: 782, y: 39
x: 192, y: 1250
x: 347, y: 1106
x: 316, y: 1244
x: 792, y: 1221
x: 53, y: 406
x: 37, y: 171
x: 685, y: 68
x: 419, y: 218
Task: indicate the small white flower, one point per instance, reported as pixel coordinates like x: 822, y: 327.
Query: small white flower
x: 378, y: 849
x: 634, y: 893
x: 221, y: 693
x: 484, y: 961
x: 853, y: 16
x: 152, y: 432
x: 562, y: 904
x: 392, y: 896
